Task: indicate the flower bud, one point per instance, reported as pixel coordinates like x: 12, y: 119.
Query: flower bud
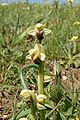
x: 41, y: 98
x: 39, y: 27
x: 74, y: 38
x: 26, y: 94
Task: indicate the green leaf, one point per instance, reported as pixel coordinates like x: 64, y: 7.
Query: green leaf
x: 2, y: 41
x: 48, y: 106
x: 26, y: 67
x: 77, y: 63
x: 23, y: 34
x: 69, y: 112
x: 23, y: 113
x: 26, y: 32
x: 77, y: 56
x: 62, y: 116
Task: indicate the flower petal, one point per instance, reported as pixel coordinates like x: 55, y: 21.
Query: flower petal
x: 36, y: 47
x: 32, y: 51
x: 42, y: 56
x: 47, y: 31
x: 31, y: 32
x: 47, y: 78
x: 28, y: 57
x: 40, y: 107
x: 40, y: 48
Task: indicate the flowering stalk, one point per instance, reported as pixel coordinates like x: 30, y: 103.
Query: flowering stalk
x: 38, y: 56
x: 33, y: 116
x: 41, y: 78
x: 33, y: 106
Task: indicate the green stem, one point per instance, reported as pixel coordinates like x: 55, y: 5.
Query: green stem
x: 33, y: 106
x: 41, y: 78
x: 54, y: 112
x: 41, y: 86
x: 33, y: 116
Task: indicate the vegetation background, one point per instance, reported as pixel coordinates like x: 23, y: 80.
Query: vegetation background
x: 15, y: 21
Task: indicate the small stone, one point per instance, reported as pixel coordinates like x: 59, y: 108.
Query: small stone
x: 5, y: 117
x: 64, y: 77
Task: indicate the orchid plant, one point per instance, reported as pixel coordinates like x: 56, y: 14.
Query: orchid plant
x: 37, y: 56
x: 73, y: 58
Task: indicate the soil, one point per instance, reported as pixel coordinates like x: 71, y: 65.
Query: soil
x: 5, y: 108
x: 72, y: 80
x: 7, y: 99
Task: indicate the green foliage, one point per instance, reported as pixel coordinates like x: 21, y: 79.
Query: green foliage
x: 15, y: 21
x: 56, y: 93
x: 14, y: 41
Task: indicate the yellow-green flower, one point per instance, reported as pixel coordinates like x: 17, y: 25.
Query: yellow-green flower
x: 41, y: 98
x: 71, y: 1
x: 39, y: 31
x: 26, y: 94
x: 39, y: 27
x: 74, y: 38
x: 76, y: 23
x: 37, y: 53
